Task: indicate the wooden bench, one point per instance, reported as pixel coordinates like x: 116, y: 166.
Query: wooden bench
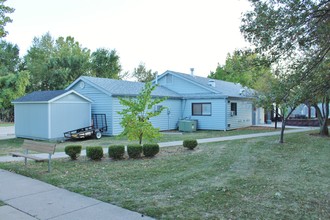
x: 39, y: 147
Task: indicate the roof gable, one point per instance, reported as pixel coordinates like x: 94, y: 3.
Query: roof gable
x: 221, y: 87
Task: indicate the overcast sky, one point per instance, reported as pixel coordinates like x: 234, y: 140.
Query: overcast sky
x: 164, y: 34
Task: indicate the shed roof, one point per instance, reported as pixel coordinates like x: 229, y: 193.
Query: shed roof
x: 45, y: 96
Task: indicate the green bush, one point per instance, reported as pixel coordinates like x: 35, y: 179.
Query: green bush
x: 73, y: 151
x: 150, y: 150
x: 134, y: 150
x: 94, y: 153
x: 116, y: 151
x: 190, y: 143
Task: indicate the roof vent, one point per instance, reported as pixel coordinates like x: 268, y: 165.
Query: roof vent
x: 192, y: 71
x: 211, y: 82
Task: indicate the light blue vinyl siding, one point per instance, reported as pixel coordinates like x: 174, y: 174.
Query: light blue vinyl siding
x: 168, y: 118
x: 216, y: 121
x: 181, y: 86
x: 244, y: 114
x: 164, y: 121
x: 68, y: 116
x: 101, y: 103
x: 31, y: 121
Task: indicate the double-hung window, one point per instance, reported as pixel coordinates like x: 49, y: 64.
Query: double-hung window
x: 201, y: 109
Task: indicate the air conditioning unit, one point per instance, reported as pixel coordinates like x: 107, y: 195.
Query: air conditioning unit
x: 232, y: 113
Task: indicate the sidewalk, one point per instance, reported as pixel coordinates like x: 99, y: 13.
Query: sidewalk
x: 27, y: 199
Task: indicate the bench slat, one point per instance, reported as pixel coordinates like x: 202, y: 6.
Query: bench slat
x: 39, y: 146
x: 38, y: 159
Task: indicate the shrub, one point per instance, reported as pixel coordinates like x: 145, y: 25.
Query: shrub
x: 94, y: 153
x: 190, y: 143
x: 134, y: 150
x: 73, y: 151
x: 116, y: 151
x: 150, y: 150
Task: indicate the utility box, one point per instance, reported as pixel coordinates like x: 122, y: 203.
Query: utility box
x: 188, y: 125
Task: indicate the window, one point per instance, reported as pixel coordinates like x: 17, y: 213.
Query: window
x: 233, y: 108
x: 201, y: 109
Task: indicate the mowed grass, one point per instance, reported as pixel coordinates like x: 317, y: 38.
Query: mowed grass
x: 14, y: 145
x: 246, y: 179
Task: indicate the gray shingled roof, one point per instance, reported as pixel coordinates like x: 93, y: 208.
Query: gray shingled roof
x: 40, y: 96
x: 127, y: 88
x: 221, y: 87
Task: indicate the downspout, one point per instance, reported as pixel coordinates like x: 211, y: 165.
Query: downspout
x: 226, y: 110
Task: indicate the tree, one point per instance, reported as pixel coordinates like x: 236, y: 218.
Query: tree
x: 245, y: 67
x: 12, y: 86
x: 4, y: 19
x: 136, y: 115
x: 142, y: 74
x: 9, y: 58
x: 55, y: 64
x: 105, y: 63
x: 295, y: 34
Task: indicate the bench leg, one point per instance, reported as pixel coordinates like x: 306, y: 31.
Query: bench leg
x: 49, y: 163
x: 25, y: 159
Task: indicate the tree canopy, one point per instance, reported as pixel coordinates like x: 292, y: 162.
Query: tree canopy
x: 54, y: 64
x: 142, y: 74
x: 137, y: 112
x: 295, y: 35
x: 105, y: 63
x: 4, y: 19
x: 245, y: 67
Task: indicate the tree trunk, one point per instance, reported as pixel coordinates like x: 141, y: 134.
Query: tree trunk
x: 323, y: 117
x: 282, y: 131
x: 285, y: 118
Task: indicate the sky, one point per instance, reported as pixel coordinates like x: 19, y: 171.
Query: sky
x: 164, y: 34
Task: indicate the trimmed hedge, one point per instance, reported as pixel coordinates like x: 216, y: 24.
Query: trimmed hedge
x: 94, y: 153
x: 190, y: 143
x: 73, y: 151
x: 116, y: 151
x: 134, y: 150
x: 150, y: 150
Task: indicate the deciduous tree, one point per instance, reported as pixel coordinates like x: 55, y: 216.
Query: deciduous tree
x: 137, y: 112
x: 245, y: 67
x: 295, y: 34
x: 142, y: 74
x: 4, y: 19
x: 105, y: 63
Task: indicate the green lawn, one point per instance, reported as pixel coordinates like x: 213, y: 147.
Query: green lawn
x: 6, y: 124
x: 246, y: 179
x: 11, y: 145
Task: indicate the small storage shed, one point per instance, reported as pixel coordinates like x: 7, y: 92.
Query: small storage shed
x: 46, y: 115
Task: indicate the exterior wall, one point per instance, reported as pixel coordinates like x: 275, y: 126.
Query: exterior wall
x: 260, y: 116
x: 217, y: 119
x: 181, y: 86
x: 68, y: 116
x: 244, y: 114
x: 168, y: 119
x: 31, y: 121
x: 102, y: 103
x: 164, y: 121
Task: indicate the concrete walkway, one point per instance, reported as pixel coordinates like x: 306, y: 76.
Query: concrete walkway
x: 27, y: 199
